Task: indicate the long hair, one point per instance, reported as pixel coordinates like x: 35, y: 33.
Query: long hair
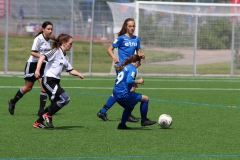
x: 131, y: 59
x: 44, y: 25
x: 124, y: 26
x: 60, y: 39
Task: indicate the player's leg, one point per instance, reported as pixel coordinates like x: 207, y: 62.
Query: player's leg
x: 132, y: 118
x: 43, y: 99
x: 128, y: 105
x: 20, y: 93
x: 102, y: 113
x: 144, y: 110
x: 110, y: 102
x: 39, y: 122
x: 58, y: 103
x: 126, y: 113
x: 59, y: 98
x: 29, y: 82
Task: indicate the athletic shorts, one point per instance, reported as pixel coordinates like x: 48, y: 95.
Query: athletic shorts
x: 30, y: 69
x: 130, y: 101
x: 52, y: 87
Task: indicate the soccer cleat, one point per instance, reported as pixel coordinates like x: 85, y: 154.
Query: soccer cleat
x: 102, y: 116
x: 123, y: 126
x: 11, y: 107
x: 40, y: 112
x: 48, y: 120
x: 131, y: 118
x: 147, y: 122
x: 38, y: 125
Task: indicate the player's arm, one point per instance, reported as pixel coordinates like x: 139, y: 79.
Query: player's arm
x: 35, y: 54
x: 39, y: 65
x: 140, y: 54
x: 76, y: 73
x: 111, y: 54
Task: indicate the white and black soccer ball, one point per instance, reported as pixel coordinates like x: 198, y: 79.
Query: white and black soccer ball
x: 165, y: 121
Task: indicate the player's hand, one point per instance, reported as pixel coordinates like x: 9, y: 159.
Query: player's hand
x: 115, y: 60
x: 37, y: 74
x: 80, y: 75
x: 142, y: 56
x: 141, y: 81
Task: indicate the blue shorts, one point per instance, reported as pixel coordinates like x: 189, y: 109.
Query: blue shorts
x: 130, y: 100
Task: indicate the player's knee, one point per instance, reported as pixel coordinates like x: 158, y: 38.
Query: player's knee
x: 145, y: 98
x: 63, y: 99
x: 27, y: 89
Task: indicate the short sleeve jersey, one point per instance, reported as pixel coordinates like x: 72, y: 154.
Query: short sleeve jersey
x: 57, y: 62
x: 126, y: 46
x: 125, y: 81
x: 41, y: 46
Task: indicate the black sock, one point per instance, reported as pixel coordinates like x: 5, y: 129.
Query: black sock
x: 18, y: 96
x: 54, y: 108
x: 43, y: 100
x: 40, y: 119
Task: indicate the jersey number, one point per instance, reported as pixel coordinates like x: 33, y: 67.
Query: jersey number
x: 119, y: 77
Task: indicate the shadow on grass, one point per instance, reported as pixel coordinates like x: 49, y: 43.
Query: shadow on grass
x: 66, y: 127
x: 140, y: 128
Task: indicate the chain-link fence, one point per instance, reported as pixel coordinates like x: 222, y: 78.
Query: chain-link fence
x: 73, y: 17
x: 168, y: 38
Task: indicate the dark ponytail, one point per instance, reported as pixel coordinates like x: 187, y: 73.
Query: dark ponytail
x: 131, y: 59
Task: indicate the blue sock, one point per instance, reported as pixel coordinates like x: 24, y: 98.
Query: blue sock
x: 126, y: 113
x: 144, y: 110
x: 110, y: 102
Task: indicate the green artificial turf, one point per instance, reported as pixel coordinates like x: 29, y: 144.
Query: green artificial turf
x: 205, y: 113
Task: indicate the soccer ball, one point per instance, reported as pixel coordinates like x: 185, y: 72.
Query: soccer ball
x: 165, y: 121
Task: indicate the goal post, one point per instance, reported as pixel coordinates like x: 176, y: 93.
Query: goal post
x: 192, y: 39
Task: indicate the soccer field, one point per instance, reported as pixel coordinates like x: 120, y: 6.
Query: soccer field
x: 205, y: 114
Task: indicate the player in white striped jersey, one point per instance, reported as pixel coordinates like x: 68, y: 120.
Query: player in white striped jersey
x: 41, y: 45
x: 57, y: 62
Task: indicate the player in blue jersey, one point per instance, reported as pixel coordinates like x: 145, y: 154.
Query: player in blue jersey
x: 127, y: 44
x: 122, y: 93
x: 41, y: 45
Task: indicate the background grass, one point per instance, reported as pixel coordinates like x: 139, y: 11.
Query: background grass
x: 205, y: 114
x: 19, y: 51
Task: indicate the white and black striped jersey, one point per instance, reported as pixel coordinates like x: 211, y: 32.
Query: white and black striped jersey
x: 41, y: 46
x: 57, y: 62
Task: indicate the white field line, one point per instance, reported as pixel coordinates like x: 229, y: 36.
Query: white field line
x: 153, y: 79
x: 107, y: 88
x: 164, y: 80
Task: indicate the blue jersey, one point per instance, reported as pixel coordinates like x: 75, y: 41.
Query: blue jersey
x: 125, y: 81
x: 126, y: 46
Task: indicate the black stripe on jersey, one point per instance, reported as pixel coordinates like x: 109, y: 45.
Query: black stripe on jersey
x: 34, y: 51
x: 37, y: 44
x: 46, y: 59
x: 69, y: 70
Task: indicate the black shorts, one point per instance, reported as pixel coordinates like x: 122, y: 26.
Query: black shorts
x: 52, y: 87
x: 30, y: 69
